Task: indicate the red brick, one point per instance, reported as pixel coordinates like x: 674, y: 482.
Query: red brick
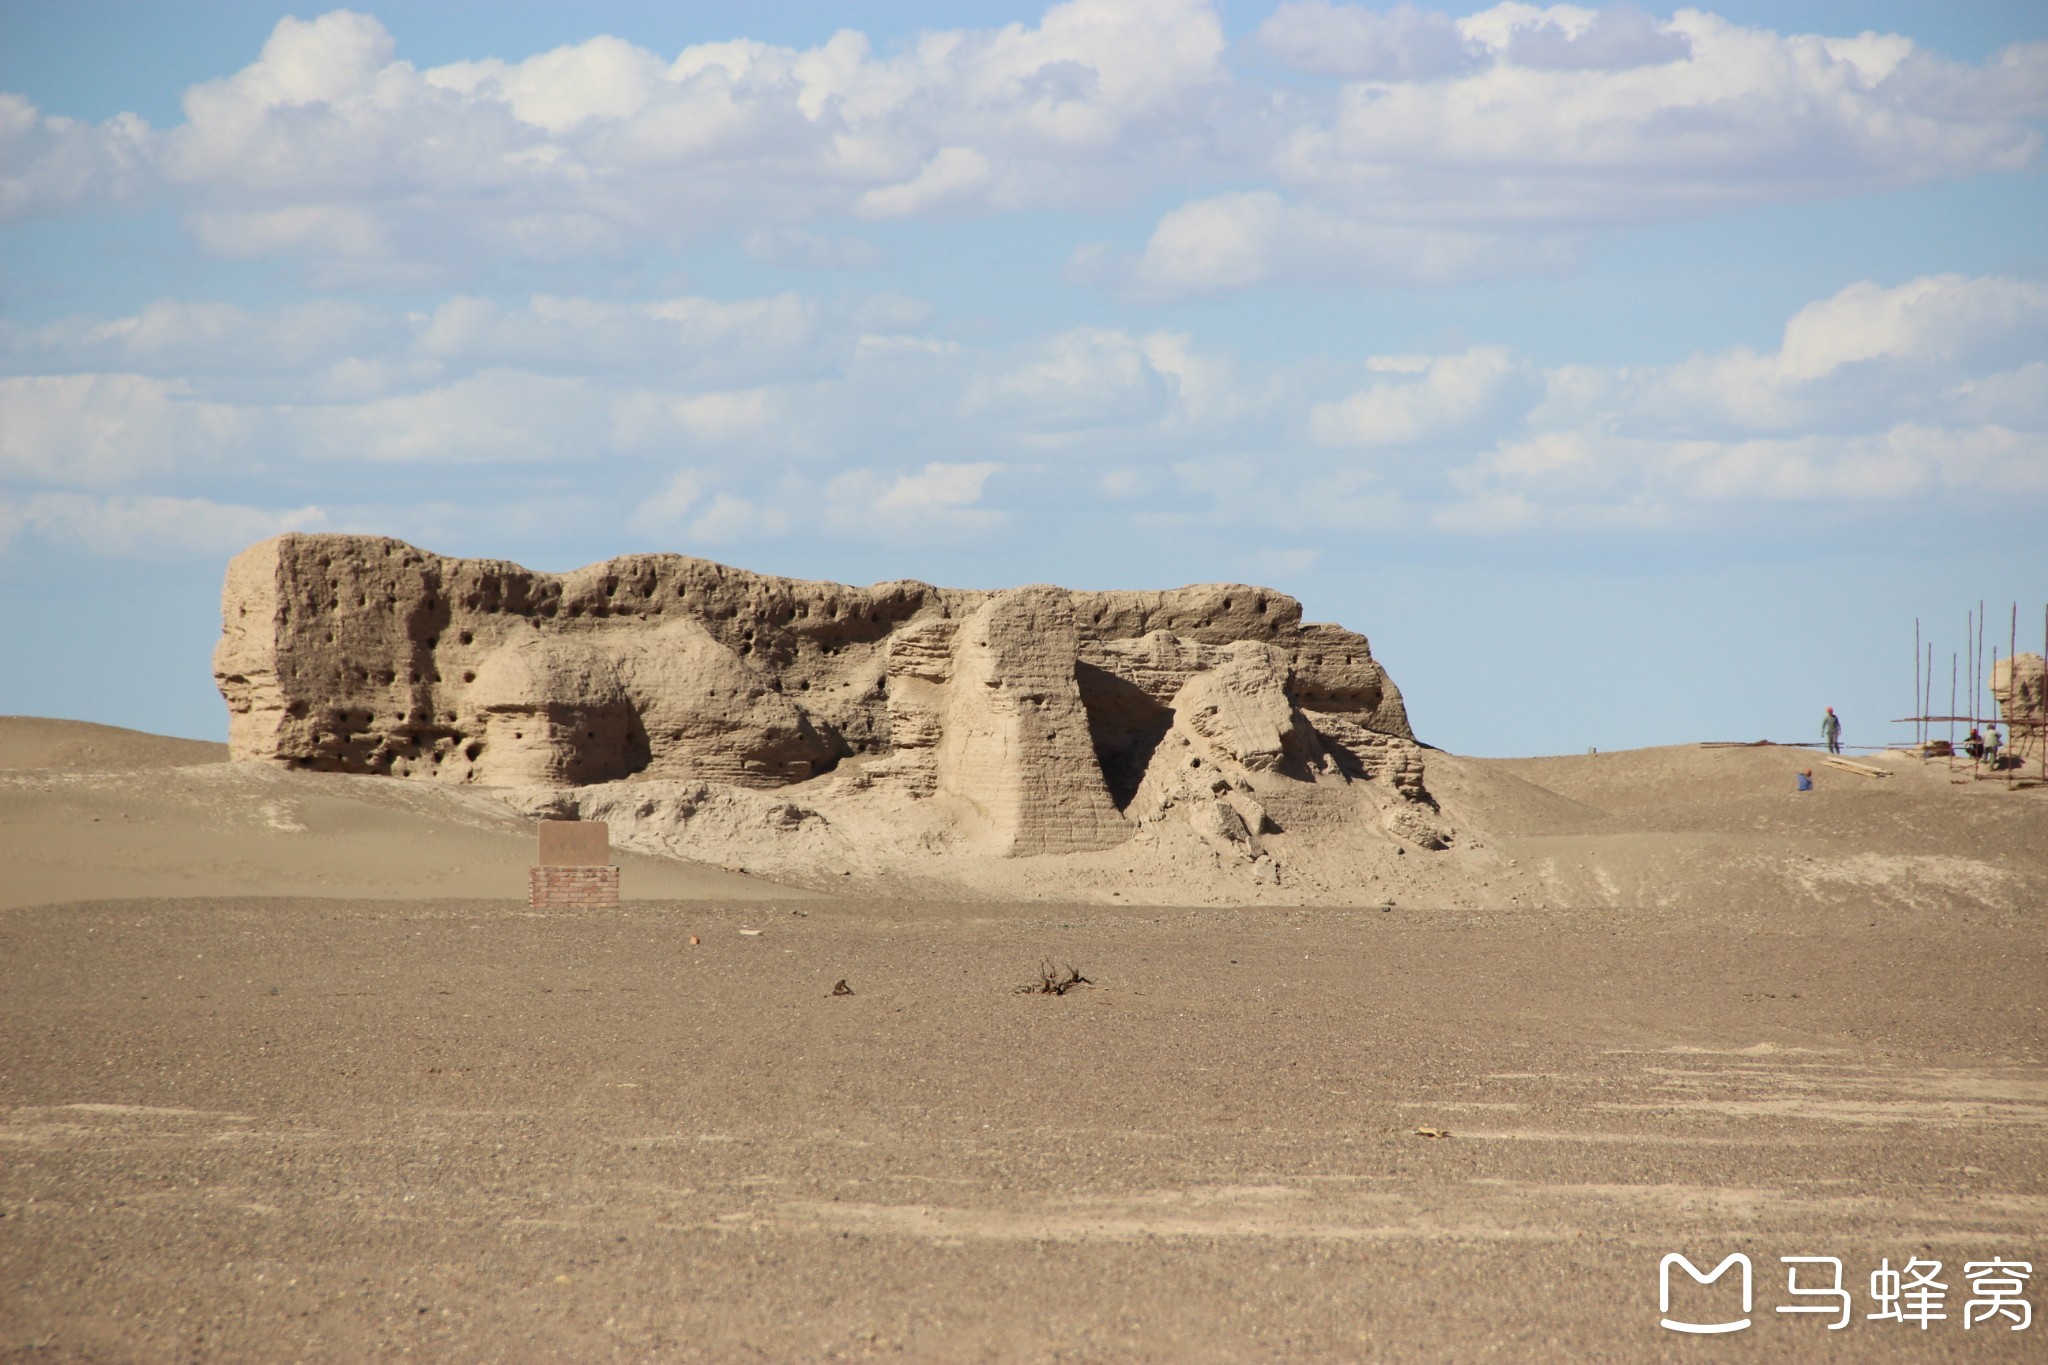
x: 573, y: 888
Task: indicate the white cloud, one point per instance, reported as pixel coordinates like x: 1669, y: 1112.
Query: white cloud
x: 648, y: 419
x: 730, y: 518
x: 2016, y: 398
x: 794, y: 248
x: 330, y: 230
x: 187, y: 339
x: 49, y: 163
x: 952, y: 176
x: 1081, y: 379
x: 1403, y: 43
x: 1878, y: 395
x: 331, y: 147
x: 1449, y: 395
x: 103, y: 430
x: 938, y: 500
x: 1437, y: 153
x: 1587, y: 134
x: 1805, y: 468
x: 1246, y: 239
x: 668, y: 507
x: 602, y: 79
x: 1914, y: 349
x: 1935, y: 319
x: 493, y: 417
x: 1929, y: 394
x: 936, y: 487
x: 147, y: 525
x: 1569, y: 38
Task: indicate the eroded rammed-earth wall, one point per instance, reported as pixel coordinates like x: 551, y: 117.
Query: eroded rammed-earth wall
x: 1037, y: 707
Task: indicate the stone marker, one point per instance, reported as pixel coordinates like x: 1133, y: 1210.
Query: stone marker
x: 575, y: 843
x: 575, y: 871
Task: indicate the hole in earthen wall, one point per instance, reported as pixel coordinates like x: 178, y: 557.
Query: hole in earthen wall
x: 1125, y: 726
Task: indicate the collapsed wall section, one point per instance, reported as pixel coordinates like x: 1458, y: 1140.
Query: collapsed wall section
x: 1014, y: 748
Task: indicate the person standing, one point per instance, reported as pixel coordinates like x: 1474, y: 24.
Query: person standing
x: 1991, y: 743
x: 1831, y: 731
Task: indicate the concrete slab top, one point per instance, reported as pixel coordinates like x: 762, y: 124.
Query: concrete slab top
x: 575, y: 843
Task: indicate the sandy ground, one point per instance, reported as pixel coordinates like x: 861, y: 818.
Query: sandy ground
x: 335, y: 1093
x: 92, y: 812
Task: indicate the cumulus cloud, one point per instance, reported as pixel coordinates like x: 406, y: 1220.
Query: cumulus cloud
x: 1239, y: 240
x: 1568, y: 38
x: 1436, y: 151
x: 1931, y: 347
x: 49, y: 163
x: 1086, y: 378
x: 1884, y: 395
x: 332, y: 147
x: 1743, y: 114
x: 1450, y: 142
x: 954, y: 175
x: 1400, y: 44
x: 1430, y: 399
x: 1875, y: 395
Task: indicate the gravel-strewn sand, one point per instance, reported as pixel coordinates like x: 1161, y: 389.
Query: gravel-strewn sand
x: 254, y: 1114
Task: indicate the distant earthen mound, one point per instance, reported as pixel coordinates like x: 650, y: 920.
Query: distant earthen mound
x: 1033, y: 720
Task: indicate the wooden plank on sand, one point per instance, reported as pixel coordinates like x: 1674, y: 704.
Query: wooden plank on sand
x: 1851, y: 765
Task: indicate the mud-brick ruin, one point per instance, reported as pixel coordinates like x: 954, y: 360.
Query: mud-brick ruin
x: 2020, y: 687
x: 1041, y: 720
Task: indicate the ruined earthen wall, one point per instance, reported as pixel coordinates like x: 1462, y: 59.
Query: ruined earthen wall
x: 2020, y: 687
x: 1036, y: 708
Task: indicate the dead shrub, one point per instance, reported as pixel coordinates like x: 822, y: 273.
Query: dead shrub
x: 1054, y: 980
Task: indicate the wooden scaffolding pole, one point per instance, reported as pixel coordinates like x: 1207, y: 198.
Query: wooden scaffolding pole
x: 2012, y: 692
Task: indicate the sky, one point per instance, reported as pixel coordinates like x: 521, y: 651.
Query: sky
x: 1628, y: 375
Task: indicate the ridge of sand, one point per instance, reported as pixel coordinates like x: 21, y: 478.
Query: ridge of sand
x: 1680, y: 827
x: 115, y: 816
x: 30, y: 742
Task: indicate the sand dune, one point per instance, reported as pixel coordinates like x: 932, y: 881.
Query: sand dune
x: 30, y: 742
x: 90, y: 812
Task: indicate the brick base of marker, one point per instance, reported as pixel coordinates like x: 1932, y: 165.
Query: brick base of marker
x: 573, y: 888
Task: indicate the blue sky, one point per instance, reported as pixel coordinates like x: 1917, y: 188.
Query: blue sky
x: 1629, y: 375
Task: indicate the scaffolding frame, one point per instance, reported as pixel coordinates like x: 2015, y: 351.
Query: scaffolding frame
x: 2034, y: 724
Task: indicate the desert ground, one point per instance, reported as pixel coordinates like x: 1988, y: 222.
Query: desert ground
x: 290, y: 1071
